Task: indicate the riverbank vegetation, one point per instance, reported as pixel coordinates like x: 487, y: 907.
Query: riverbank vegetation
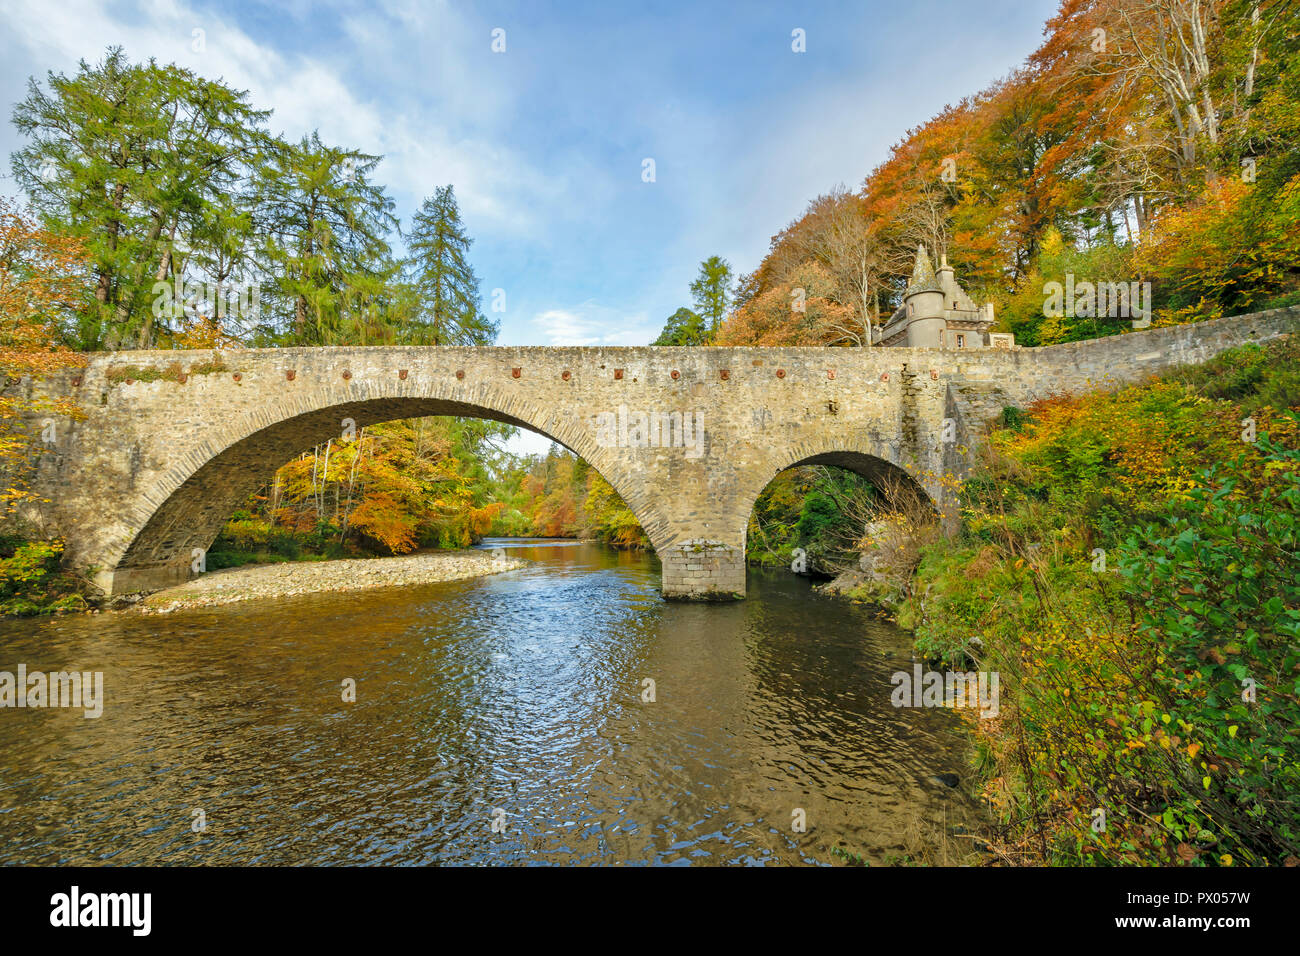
x: 561, y: 496
x: 811, y: 518
x: 388, y: 489
x: 40, y: 286
x: 1130, y: 566
x: 31, y: 581
x: 431, y: 483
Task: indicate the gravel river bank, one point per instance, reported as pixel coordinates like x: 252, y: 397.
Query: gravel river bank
x: 309, y: 577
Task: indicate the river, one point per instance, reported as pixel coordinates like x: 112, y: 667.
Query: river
x: 496, y: 720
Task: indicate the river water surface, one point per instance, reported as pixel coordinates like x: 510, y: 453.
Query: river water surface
x: 509, y: 703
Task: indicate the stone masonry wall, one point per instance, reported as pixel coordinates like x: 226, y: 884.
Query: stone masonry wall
x: 156, y: 466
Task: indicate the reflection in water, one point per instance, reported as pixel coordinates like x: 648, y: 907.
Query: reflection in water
x: 521, y: 691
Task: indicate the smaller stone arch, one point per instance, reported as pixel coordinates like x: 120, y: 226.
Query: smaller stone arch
x: 892, y: 480
x: 897, y: 484
x: 891, y: 466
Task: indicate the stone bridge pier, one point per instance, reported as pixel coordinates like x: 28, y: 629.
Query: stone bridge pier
x: 169, y: 444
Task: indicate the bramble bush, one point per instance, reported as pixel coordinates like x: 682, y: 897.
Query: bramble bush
x: 1219, y: 594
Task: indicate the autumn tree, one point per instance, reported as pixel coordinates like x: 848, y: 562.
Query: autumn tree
x: 44, y: 283
x: 822, y: 283
x: 802, y: 310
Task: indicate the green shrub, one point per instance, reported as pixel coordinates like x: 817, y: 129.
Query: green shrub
x: 31, y: 581
x: 1123, y: 692
x: 1219, y: 592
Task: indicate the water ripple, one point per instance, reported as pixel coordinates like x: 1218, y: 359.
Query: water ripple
x: 515, y: 698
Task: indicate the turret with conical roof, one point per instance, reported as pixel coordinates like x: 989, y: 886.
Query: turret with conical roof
x: 936, y: 312
x: 923, y: 300
x: 923, y: 277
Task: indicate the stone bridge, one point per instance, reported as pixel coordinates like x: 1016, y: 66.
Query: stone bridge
x: 173, y: 442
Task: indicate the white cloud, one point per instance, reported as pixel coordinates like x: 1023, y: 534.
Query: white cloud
x: 592, y: 324
x: 433, y: 129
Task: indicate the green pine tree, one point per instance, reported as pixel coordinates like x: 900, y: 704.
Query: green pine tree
x: 124, y: 157
x: 446, y: 289
x: 325, y: 225
x: 712, y: 292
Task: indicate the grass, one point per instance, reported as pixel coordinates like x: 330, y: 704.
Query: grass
x: 173, y: 372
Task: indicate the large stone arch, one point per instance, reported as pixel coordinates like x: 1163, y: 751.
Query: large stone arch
x: 186, y: 508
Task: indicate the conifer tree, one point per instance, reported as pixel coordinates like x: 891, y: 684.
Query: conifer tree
x: 122, y: 156
x: 326, y: 226
x: 446, y: 289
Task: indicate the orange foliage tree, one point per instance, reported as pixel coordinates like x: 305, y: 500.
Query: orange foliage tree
x: 43, y: 284
x: 1126, y: 123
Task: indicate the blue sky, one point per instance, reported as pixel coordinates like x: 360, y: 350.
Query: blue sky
x: 545, y: 142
